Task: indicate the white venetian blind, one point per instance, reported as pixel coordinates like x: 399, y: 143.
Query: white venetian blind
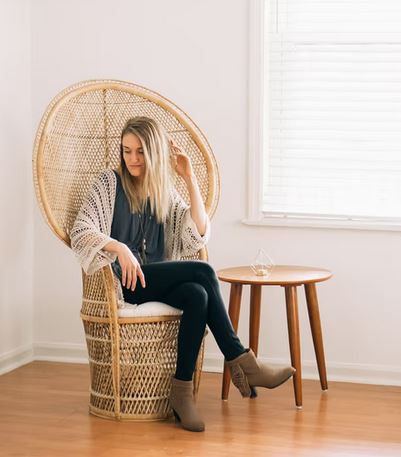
x: 332, y: 109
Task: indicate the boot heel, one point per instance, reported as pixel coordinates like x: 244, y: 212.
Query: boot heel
x: 254, y: 392
x: 177, y: 417
x: 240, y: 380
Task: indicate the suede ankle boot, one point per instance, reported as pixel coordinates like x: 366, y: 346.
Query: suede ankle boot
x: 183, y: 404
x: 247, y: 373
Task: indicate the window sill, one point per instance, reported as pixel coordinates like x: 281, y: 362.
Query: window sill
x: 321, y: 222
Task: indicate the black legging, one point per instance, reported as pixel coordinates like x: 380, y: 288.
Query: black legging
x: 192, y: 286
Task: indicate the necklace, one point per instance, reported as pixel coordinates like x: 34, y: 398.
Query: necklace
x: 142, y: 252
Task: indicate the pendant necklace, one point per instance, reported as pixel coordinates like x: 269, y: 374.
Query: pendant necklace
x: 142, y: 254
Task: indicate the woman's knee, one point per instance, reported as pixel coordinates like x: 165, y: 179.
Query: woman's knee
x: 195, y: 296
x: 205, y: 270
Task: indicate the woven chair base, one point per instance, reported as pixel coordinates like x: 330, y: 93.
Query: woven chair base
x: 129, y: 417
x: 137, y: 387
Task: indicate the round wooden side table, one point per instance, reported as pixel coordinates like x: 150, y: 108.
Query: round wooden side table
x: 289, y: 277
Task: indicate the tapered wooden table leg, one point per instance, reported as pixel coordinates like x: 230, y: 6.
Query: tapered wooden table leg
x: 294, y: 340
x: 254, y: 317
x: 314, y: 319
x: 233, y: 311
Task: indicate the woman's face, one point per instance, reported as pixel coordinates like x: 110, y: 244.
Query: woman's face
x: 133, y: 155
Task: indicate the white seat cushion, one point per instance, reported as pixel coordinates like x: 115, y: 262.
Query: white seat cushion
x: 150, y: 308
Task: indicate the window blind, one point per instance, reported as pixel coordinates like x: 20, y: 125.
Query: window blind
x: 332, y: 109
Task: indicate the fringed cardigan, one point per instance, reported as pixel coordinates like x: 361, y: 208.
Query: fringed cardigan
x: 92, y: 227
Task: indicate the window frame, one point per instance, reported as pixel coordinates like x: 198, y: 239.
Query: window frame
x: 255, y: 215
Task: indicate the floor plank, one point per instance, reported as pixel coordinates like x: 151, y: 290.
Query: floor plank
x: 44, y: 412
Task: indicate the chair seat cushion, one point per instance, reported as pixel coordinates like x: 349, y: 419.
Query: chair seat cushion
x: 150, y: 308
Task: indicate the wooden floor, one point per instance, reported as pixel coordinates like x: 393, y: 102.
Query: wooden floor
x: 44, y: 412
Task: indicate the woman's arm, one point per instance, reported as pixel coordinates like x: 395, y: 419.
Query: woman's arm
x: 91, y: 230
x: 198, y: 212
x: 182, y: 165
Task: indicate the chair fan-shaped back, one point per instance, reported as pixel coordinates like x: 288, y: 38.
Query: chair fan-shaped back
x: 79, y: 136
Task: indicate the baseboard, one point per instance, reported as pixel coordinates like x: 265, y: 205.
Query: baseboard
x: 340, y: 372
x: 61, y: 352
x: 11, y: 360
x: 77, y: 353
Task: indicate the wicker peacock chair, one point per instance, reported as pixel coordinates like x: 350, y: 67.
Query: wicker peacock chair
x: 131, y: 359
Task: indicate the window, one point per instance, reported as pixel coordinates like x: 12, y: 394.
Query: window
x: 325, y: 113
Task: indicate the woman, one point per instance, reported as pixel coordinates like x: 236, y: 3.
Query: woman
x: 134, y: 219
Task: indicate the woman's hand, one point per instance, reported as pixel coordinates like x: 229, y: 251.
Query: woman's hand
x: 130, y: 267
x: 181, y: 162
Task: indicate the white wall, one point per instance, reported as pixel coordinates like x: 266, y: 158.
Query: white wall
x: 16, y: 190
x: 195, y: 53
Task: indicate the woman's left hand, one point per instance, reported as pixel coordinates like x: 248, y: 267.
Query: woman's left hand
x: 181, y: 162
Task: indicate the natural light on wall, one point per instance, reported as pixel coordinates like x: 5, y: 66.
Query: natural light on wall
x: 332, y: 109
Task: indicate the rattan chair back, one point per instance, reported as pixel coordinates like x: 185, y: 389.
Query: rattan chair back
x: 79, y: 136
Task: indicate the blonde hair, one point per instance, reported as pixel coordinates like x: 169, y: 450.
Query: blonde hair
x: 157, y: 182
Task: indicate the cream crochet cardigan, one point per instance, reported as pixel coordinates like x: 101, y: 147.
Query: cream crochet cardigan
x: 92, y: 227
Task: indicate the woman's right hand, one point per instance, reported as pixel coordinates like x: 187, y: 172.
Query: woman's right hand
x: 130, y: 267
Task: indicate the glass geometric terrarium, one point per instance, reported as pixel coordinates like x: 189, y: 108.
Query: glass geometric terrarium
x: 262, y: 264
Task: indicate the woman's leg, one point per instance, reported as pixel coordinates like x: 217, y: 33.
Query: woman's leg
x: 246, y: 371
x: 193, y: 287
x: 192, y: 298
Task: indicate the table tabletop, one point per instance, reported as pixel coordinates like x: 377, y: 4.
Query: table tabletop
x: 280, y: 275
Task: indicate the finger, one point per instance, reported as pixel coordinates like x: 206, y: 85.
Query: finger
x: 124, y: 276
x: 133, y: 282
x: 141, y: 277
x: 133, y: 272
x: 129, y: 278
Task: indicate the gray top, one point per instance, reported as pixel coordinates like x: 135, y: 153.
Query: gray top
x: 127, y: 229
